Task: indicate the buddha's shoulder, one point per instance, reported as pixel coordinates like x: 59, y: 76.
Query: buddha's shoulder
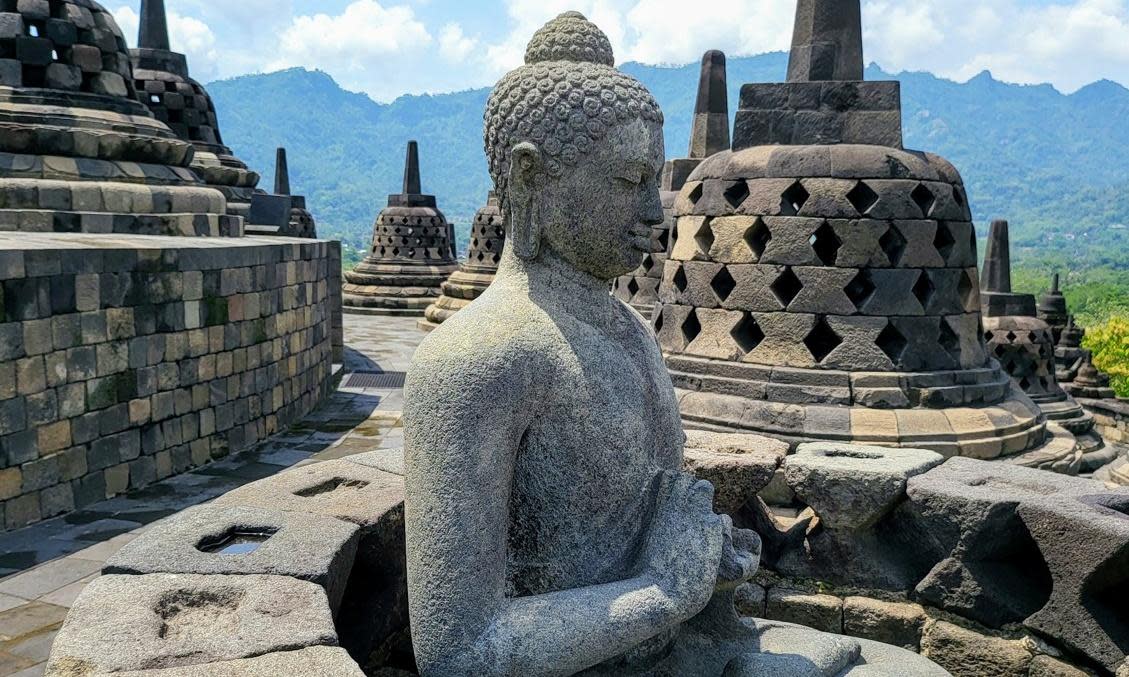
x: 492, y: 332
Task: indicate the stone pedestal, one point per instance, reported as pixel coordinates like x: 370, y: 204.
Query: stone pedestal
x: 412, y: 254
x: 487, y: 239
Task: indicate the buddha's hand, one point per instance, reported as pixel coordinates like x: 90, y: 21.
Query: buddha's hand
x: 740, y: 555
x: 684, y: 545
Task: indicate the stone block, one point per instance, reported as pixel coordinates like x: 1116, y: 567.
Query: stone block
x: 315, y: 661
x: 11, y: 481
x: 22, y: 511
x: 243, y: 540
x: 349, y: 491
x: 852, y: 487
x: 738, y: 465
x: 54, y: 437
x: 964, y: 652
x: 991, y: 567
x: 156, y: 621
x: 821, y: 612
x: 1046, y: 666
x: 896, y: 623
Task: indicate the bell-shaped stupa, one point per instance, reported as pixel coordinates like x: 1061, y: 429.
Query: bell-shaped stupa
x: 709, y: 135
x: 280, y: 213
x: 163, y: 83
x: 823, y: 281
x: 412, y: 253
x: 80, y: 152
x: 487, y: 239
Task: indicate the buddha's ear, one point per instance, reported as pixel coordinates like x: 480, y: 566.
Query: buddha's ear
x: 526, y: 166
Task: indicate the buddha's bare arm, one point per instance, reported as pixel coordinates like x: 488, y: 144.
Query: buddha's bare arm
x: 460, y: 470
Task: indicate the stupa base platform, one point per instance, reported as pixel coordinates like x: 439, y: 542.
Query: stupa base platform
x: 973, y: 413
x: 458, y: 291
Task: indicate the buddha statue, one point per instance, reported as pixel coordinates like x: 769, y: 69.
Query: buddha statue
x: 557, y: 535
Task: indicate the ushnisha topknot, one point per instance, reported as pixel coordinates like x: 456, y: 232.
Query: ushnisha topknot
x: 567, y: 96
x: 570, y: 37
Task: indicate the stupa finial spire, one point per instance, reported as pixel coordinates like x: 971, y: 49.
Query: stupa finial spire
x: 997, y: 260
x: 281, y: 173
x: 1054, y: 284
x: 154, y: 31
x: 411, y: 170
x: 827, y: 41
x: 710, y: 133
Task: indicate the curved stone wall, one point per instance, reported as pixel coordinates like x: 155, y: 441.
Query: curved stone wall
x: 124, y: 360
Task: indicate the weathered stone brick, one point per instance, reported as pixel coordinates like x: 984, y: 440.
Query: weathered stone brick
x: 13, y: 416
x: 72, y: 464
x: 41, y: 408
x: 112, y: 357
x: 87, y: 293
x: 11, y: 482
x: 71, y: 399
x: 55, y: 368
x: 7, y: 380
x: 11, y: 341
x: 40, y: 473
x: 31, y: 377
x: 56, y: 500
x: 822, y: 612
x: 89, y: 489
x: 22, y: 511
x: 117, y: 479
x: 94, y: 329
x: 37, y: 336
x: 54, y: 437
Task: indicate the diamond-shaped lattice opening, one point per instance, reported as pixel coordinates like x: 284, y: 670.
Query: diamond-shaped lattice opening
x: 966, y: 288
x: 757, y: 237
x: 691, y: 327
x: 736, y: 194
x: 680, y: 281
x: 822, y: 340
x: 704, y: 238
x: 632, y: 287
x: 664, y: 240
x: 891, y: 342
x: 949, y: 340
x: 924, y: 198
x: 648, y: 264
x: 923, y: 289
x: 944, y: 241
x: 893, y: 244
x: 723, y: 284
x: 747, y: 334
x: 793, y: 199
x: 826, y: 244
x: 860, y: 289
x: 786, y: 287
x: 695, y: 194
x: 658, y: 320
x: 863, y: 198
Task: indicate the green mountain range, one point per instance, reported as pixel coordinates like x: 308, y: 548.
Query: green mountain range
x: 1053, y: 164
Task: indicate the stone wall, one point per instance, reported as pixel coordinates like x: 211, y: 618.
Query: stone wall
x: 127, y: 359
x: 1111, y: 419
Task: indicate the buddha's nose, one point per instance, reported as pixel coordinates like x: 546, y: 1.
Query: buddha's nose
x: 651, y: 209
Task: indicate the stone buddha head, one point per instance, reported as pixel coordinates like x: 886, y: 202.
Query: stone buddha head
x: 576, y: 151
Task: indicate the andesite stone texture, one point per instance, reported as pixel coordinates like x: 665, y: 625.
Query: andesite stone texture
x: 218, y: 539
x: 708, y: 135
x: 412, y: 253
x: 122, y: 623
x: 192, y: 596
x: 590, y: 551
x: 487, y: 240
x: 824, y: 286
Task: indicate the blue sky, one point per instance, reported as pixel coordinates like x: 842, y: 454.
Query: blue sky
x: 387, y: 48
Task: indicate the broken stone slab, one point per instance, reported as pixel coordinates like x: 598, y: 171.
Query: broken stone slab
x: 851, y: 486
x: 350, y: 491
x: 894, y: 623
x: 1085, y: 546
x: 233, y: 539
x: 737, y: 464
x: 158, y: 621
x: 822, y: 612
x: 990, y: 567
x: 315, y: 661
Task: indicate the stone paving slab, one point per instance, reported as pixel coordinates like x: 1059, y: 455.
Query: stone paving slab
x: 43, y: 568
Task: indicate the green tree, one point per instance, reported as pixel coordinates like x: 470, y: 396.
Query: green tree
x: 1110, y: 345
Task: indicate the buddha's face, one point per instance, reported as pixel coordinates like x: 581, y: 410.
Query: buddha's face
x: 598, y: 214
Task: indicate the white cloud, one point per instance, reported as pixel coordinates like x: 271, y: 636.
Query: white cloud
x: 454, y: 45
